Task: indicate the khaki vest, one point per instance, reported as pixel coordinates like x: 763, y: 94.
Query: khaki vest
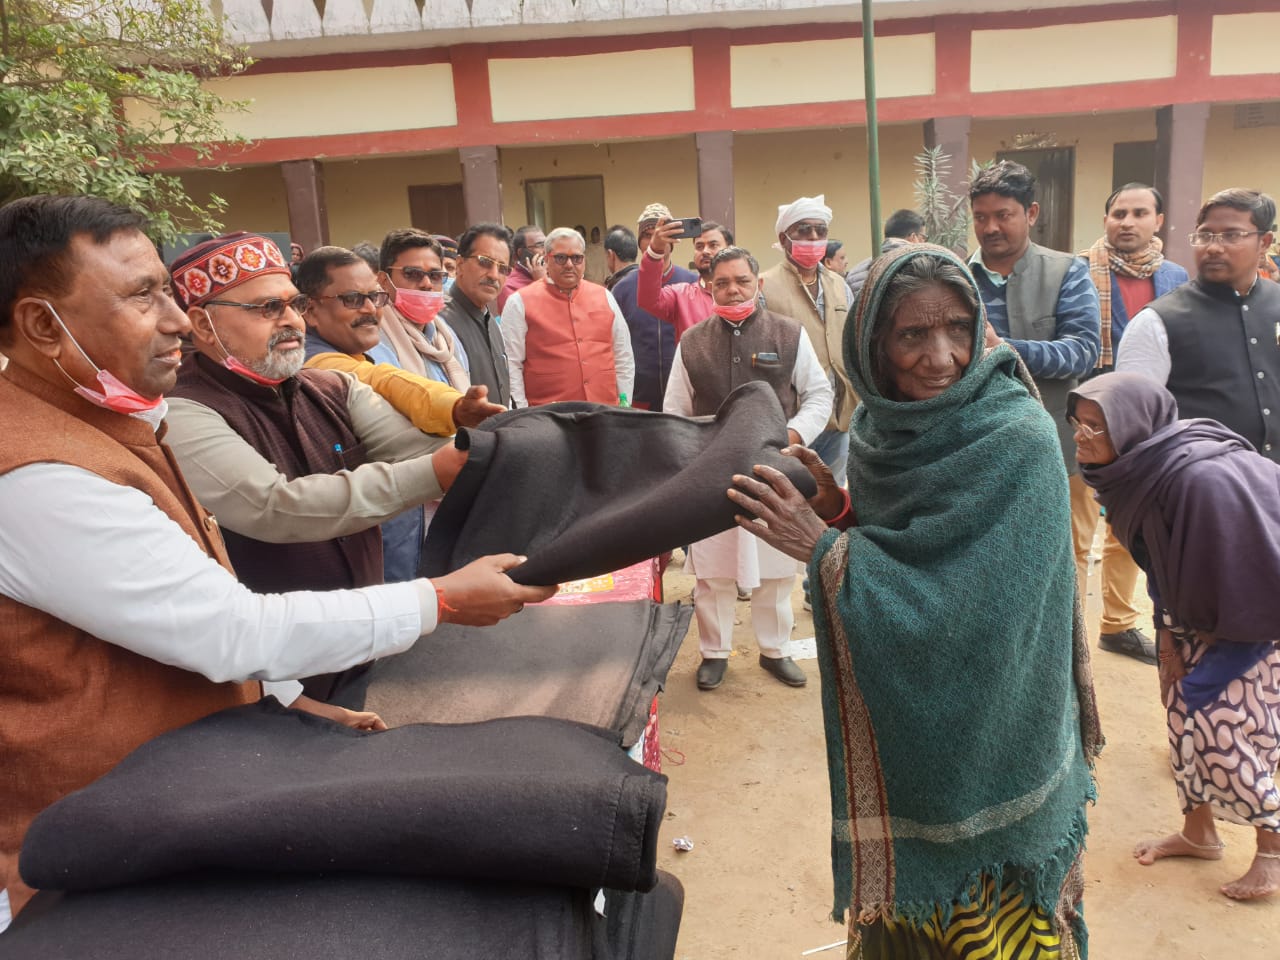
x: 568, y: 349
x: 785, y: 293
x: 71, y: 705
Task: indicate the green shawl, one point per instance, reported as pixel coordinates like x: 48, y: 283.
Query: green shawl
x: 958, y: 703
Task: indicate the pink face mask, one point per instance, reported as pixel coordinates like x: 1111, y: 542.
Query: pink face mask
x: 808, y: 253
x: 419, y: 306
x: 116, y: 395
x: 236, y: 365
x: 736, y: 312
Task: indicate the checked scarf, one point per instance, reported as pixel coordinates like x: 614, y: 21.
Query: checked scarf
x: 957, y: 696
x: 1103, y: 258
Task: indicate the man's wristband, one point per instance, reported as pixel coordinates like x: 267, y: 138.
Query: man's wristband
x: 648, y: 252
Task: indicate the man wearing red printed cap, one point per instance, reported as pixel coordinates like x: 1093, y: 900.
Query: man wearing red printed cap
x: 120, y: 616
x: 299, y: 466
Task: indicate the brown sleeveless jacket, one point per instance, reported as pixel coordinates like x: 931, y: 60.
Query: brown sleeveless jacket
x: 71, y: 705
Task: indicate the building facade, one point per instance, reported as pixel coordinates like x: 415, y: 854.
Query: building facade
x: 580, y: 112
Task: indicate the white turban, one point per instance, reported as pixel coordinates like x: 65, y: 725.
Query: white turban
x: 806, y: 208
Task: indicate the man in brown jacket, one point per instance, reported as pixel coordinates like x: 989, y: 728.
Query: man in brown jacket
x: 120, y: 618
x: 800, y: 287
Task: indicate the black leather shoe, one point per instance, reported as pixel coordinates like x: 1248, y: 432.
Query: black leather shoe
x: 1132, y: 643
x: 785, y: 669
x: 711, y: 673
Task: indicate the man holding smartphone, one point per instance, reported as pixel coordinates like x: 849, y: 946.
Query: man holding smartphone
x: 530, y: 263
x: 681, y: 304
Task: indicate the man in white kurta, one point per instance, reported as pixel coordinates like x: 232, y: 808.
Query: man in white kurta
x: 744, y: 342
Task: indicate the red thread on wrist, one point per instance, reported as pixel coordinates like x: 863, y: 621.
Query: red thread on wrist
x: 442, y: 605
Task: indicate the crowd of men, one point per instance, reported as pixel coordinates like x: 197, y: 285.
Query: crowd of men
x: 307, y: 404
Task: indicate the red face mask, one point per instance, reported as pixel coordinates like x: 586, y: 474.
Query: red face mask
x: 808, y: 253
x: 419, y: 306
x: 236, y: 365
x: 116, y: 395
x: 736, y: 312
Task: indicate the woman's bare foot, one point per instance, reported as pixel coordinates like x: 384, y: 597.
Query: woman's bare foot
x: 1262, y: 880
x: 1176, y: 845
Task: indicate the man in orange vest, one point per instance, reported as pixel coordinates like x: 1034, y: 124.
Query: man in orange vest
x: 566, y: 337
x: 120, y: 616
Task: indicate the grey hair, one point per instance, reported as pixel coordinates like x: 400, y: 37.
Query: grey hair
x: 561, y: 233
x: 919, y: 273
x: 922, y: 272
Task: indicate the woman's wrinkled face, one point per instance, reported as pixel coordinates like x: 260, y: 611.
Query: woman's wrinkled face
x: 929, y: 343
x: 1093, y: 442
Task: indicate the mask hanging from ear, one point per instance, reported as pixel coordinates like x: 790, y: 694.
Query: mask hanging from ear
x: 115, y: 395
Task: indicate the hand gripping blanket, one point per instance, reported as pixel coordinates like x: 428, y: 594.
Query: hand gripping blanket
x: 582, y: 489
x: 262, y: 788
x: 957, y: 698
x: 217, y: 915
x: 598, y: 664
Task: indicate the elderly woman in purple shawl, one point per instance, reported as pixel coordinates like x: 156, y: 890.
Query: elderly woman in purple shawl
x: 1199, y: 510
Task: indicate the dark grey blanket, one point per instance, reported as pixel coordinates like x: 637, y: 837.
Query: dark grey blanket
x: 256, y: 917
x: 598, y: 664
x: 262, y: 788
x: 582, y: 489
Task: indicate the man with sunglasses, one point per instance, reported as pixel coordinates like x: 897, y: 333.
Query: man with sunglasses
x: 120, y: 616
x: 299, y: 466
x: 1215, y: 340
x: 411, y: 271
x: 343, y: 334
x: 800, y: 287
x: 483, y: 265
x: 566, y: 338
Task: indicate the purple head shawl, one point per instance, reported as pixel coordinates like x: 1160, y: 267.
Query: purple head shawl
x: 1196, y: 505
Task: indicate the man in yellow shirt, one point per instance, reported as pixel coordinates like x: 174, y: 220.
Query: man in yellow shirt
x: 343, y: 334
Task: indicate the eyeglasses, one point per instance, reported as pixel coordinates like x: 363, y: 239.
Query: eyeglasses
x: 1090, y: 433
x: 488, y: 263
x: 354, y: 300
x: 272, y: 309
x: 417, y: 274
x: 577, y: 259
x: 808, y: 231
x: 1202, y: 238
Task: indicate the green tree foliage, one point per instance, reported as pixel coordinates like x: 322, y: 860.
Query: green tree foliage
x: 94, y: 91
x: 946, y: 215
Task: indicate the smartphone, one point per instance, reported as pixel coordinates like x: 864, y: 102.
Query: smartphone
x: 692, y: 227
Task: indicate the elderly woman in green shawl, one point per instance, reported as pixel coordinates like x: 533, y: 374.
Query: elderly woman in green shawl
x: 960, y: 719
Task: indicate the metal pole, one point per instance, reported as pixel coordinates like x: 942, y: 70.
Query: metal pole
x: 873, y: 127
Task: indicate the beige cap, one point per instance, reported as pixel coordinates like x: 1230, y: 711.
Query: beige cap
x: 653, y: 213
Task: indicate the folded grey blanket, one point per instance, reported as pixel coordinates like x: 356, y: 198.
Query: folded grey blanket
x: 582, y: 489
x: 262, y: 788
x: 215, y: 916
x: 597, y: 663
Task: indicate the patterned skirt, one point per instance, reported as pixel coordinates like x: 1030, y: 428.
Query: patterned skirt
x: 1226, y: 754
x: 997, y: 925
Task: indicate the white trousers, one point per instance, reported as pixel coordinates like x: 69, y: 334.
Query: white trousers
x: 771, y: 616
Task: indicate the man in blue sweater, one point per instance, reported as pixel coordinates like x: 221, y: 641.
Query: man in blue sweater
x: 1040, y: 301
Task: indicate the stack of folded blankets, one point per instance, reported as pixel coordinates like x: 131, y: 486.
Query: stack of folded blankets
x: 265, y: 832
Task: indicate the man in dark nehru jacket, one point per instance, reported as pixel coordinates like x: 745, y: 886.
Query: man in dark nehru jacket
x: 743, y: 342
x: 120, y: 617
x: 1215, y: 340
x: 299, y: 466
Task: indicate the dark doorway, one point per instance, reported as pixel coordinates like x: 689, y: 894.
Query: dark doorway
x: 1055, y: 173
x: 438, y: 208
x: 1133, y: 162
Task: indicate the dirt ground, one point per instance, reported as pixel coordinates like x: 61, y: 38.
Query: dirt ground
x: 749, y: 789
